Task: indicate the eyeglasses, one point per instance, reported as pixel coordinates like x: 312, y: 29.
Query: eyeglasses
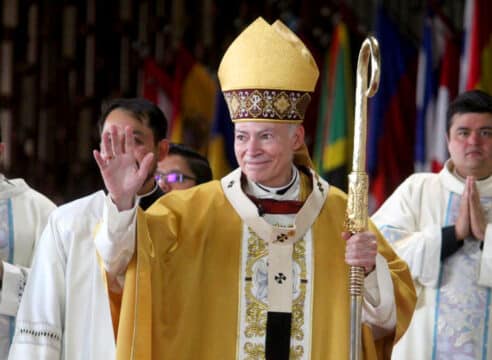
x: 173, y: 177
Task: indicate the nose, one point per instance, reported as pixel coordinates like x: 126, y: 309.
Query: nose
x: 252, y: 146
x: 474, y: 137
x: 164, y: 186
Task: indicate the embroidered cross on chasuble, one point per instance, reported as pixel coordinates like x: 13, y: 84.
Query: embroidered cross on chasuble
x: 276, y: 270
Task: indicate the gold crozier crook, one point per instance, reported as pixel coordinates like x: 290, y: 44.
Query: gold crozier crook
x: 358, y: 187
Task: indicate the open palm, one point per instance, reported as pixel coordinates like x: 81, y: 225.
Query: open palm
x: 123, y: 176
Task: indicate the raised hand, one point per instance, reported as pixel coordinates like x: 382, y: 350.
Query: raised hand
x: 361, y: 250
x: 123, y: 176
x: 478, y: 222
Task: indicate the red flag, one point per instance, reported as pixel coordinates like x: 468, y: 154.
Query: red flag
x: 186, y: 97
x: 157, y: 87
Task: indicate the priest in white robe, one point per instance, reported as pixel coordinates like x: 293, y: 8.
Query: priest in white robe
x: 66, y: 312
x: 441, y: 224
x: 23, y: 216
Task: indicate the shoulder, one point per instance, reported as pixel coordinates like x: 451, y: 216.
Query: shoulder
x: 71, y: 227
x: 336, y: 193
x: 197, y: 195
x: 19, y: 190
x: 418, y: 182
x: 189, y: 200
x: 87, y: 206
x: 336, y: 197
x: 421, y: 177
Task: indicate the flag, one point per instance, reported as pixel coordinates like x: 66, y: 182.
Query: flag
x: 391, y: 123
x: 221, y: 147
x: 157, y: 87
x: 197, y: 106
x: 333, y: 145
x: 476, y: 58
x: 425, y: 97
x: 187, y: 98
x: 448, y: 90
x: 430, y: 58
x: 183, y: 63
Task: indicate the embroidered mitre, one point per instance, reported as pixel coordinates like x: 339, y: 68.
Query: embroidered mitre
x: 268, y: 74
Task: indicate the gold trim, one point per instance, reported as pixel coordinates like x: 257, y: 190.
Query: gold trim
x: 240, y: 292
x: 254, y: 351
x: 260, y: 120
x: 311, y: 306
x: 254, y: 326
x: 267, y: 105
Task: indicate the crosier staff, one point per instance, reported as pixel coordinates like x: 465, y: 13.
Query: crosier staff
x: 357, y: 202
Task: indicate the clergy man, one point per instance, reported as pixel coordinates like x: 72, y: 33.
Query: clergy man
x: 254, y: 266
x: 66, y: 313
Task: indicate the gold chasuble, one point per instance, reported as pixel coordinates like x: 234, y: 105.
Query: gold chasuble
x: 188, y: 294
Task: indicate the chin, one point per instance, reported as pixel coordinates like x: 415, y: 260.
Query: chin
x: 252, y: 176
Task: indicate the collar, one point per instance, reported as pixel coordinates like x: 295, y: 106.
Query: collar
x: 287, y: 192
x: 11, y: 188
x: 145, y: 200
x: 247, y: 210
x: 283, y: 189
x: 455, y: 183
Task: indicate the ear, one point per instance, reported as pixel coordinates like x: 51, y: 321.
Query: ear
x: 298, y: 137
x: 163, y: 149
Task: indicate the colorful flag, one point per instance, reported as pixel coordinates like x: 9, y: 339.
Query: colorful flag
x: 187, y: 98
x: 476, y: 59
x: 391, y: 124
x: 333, y: 145
x: 157, y: 87
x: 197, y: 106
x: 425, y: 97
x: 448, y: 90
x: 430, y: 58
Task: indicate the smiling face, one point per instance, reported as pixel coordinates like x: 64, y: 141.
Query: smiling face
x: 470, y: 144
x: 265, y: 151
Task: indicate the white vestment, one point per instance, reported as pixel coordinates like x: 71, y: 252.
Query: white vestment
x: 23, y: 215
x: 452, y: 318
x: 65, y: 311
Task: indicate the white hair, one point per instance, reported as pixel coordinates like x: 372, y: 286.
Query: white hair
x: 293, y: 128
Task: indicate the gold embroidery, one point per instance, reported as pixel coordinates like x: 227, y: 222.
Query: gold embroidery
x: 254, y: 351
x: 255, y: 103
x: 300, y: 256
x: 256, y: 317
x: 234, y: 105
x: 267, y: 104
x: 298, y: 315
x: 296, y: 352
x: 281, y: 104
x: 298, y: 304
x: 256, y: 309
x: 256, y: 248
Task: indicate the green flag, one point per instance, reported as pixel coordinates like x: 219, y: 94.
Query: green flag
x: 333, y: 146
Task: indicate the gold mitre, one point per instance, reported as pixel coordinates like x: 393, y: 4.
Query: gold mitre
x: 268, y: 74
